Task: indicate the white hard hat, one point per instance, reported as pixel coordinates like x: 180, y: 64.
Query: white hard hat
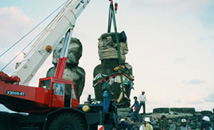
x: 121, y: 120
x: 147, y: 119
x: 183, y: 120
x: 206, y: 118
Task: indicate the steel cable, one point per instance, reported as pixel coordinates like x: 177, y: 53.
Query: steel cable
x: 31, y: 30
x: 28, y: 34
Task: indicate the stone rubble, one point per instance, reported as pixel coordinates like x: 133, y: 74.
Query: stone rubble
x: 173, y: 115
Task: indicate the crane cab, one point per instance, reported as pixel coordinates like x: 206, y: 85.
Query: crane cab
x: 61, y: 92
x: 52, y: 93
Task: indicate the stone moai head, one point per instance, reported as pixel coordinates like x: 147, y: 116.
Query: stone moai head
x: 74, y: 53
x: 107, y: 46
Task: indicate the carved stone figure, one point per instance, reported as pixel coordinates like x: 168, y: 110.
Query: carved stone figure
x: 72, y: 71
x: 107, y: 49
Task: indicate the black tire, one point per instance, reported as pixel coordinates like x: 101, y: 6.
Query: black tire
x: 3, y: 123
x: 68, y: 121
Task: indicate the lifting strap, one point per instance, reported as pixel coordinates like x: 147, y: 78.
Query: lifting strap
x: 110, y: 19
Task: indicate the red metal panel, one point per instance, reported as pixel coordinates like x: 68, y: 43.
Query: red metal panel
x: 58, y: 98
x: 1, y: 87
x: 75, y: 101
x: 20, y: 91
x: 58, y: 101
x: 60, y: 67
x: 23, y: 98
x: 42, y: 96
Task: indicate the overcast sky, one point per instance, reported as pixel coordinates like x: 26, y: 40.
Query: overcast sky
x: 170, y: 42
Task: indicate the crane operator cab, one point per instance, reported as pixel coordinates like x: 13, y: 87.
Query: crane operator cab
x: 61, y: 92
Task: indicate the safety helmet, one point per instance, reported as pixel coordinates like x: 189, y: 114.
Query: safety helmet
x: 183, y: 120
x: 121, y: 120
x: 206, y: 118
x: 147, y: 119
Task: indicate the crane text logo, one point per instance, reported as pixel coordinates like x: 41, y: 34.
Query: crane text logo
x: 15, y: 93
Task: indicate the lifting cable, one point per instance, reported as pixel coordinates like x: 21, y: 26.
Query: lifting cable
x: 112, y: 11
x: 28, y: 34
x: 112, y: 18
x: 20, y: 52
x: 33, y: 29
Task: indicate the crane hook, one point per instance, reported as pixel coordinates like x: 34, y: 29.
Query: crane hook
x: 115, y: 7
x: 111, y: 1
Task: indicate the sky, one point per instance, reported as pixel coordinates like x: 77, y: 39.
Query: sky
x: 170, y: 42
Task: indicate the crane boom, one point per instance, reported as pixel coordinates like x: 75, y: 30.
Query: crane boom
x: 51, y: 36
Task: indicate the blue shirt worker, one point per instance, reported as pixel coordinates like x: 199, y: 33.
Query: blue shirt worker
x: 124, y: 125
x: 136, y: 106
x: 106, y: 89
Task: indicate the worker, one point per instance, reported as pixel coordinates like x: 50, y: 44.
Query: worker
x: 124, y: 125
x: 106, y: 89
x: 184, y: 125
x: 164, y: 124
x: 142, y: 99
x: 136, y: 107
x: 206, y: 124
x: 89, y: 99
x: 147, y: 125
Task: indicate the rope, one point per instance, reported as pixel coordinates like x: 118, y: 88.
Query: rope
x: 110, y: 19
x: 113, y: 75
x: 32, y: 30
x: 19, y: 53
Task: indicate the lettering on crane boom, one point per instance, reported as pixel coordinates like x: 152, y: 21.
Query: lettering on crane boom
x: 15, y: 93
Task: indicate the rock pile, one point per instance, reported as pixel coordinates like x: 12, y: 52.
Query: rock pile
x: 173, y: 115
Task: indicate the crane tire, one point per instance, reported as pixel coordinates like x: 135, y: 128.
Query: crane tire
x: 68, y: 121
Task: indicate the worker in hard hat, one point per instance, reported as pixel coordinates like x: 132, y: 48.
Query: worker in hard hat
x: 147, y: 125
x: 184, y: 125
x: 206, y: 124
x: 124, y: 125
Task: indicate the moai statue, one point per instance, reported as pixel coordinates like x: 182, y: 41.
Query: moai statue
x: 72, y: 71
x: 107, y: 49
